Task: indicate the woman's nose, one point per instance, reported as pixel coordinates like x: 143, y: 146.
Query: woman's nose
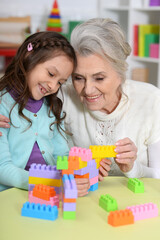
x: 88, y: 87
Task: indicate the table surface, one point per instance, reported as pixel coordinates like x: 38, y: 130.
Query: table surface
x: 91, y: 220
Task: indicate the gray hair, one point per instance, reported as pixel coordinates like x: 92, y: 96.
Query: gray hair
x: 103, y: 37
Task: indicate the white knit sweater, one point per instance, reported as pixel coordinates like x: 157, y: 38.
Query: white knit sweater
x: 137, y: 117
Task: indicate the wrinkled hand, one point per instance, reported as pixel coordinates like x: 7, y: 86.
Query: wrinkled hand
x: 4, y: 122
x: 104, y: 168
x: 83, y: 185
x: 126, y: 154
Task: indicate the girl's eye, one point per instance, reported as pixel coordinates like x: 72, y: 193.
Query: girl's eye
x: 77, y: 78
x: 60, y: 83
x: 50, y: 74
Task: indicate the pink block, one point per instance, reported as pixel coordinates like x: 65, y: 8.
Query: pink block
x: 144, y: 211
x: 154, y: 50
x: 54, y: 201
x: 83, y: 153
x: 93, y: 180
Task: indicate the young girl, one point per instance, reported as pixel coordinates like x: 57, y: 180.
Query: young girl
x: 28, y: 95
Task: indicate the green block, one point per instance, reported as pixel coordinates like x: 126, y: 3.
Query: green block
x: 69, y: 215
x: 72, y: 25
x: 149, y: 39
x: 135, y: 185
x: 62, y: 162
x: 108, y: 203
x: 54, y: 25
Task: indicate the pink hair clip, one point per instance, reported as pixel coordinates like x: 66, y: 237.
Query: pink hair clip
x: 29, y: 47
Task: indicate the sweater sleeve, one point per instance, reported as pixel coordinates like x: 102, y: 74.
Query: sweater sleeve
x: 10, y: 174
x: 151, y: 171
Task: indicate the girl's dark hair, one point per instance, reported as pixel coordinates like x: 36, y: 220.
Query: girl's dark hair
x: 46, y: 45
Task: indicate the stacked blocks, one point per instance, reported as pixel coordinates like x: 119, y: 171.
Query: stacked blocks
x: 135, y: 185
x: 144, y: 211
x: 54, y: 19
x: 45, y: 174
x: 70, y: 196
x: 39, y: 211
x: 87, y: 166
x: 44, y: 195
x: 121, y: 217
x: 108, y: 203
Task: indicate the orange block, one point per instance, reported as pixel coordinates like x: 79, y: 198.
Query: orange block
x: 43, y: 192
x: 73, y: 162
x: 54, y: 29
x: 67, y: 171
x: 82, y: 176
x: 69, y: 200
x: 121, y: 217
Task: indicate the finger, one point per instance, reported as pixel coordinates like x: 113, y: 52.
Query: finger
x: 105, y: 166
x: 82, y: 194
x: 4, y: 125
x: 103, y: 172
x: 81, y: 180
x: 106, y: 160
x: 100, y: 177
x: 0, y: 134
x: 126, y: 161
x: 125, y: 148
x: 4, y: 119
x: 123, y: 141
x: 126, y: 155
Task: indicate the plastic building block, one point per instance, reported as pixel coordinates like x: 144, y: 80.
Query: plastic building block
x: 103, y: 151
x: 83, y: 153
x: 53, y: 201
x: 135, y: 185
x: 94, y: 187
x: 82, y: 176
x: 39, y: 211
x: 43, y: 191
x: 69, y: 215
x: 108, y: 203
x: 69, y: 207
x: 67, y: 171
x: 70, y: 188
x: 69, y: 200
x: 93, y: 180
x: 73, y: 162
x: 45, y: 181
x: 143, y: 211
x: 121, y: 217
x: 44, y: 171
x: 62, y: 162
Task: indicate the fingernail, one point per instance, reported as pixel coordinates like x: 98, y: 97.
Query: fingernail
x: 7, y: 125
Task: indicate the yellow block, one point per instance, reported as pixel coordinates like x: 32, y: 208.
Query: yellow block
x: 45, y: 181
x: 97, y: 160
x: 52, y: 20
x: 82, y: 164
x: 55, y: 10
x: 103, y: 151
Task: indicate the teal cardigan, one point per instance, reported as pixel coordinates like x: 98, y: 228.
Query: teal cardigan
x: 17, y: 142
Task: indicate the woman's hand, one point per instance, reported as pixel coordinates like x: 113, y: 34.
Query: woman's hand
x: 104, y: 168
x: 126, y: 154
x: 4, y: 122
x: 83, y: 185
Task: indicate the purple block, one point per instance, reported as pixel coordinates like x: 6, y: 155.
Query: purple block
x: 44, y: 171
x: 69, y: 207
x: 82, y: 171
x: 69, y: 185
x: 93, y: 173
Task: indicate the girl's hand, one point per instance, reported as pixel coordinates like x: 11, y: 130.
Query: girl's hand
x: 126, y: 154
x: 104, y: 168
x: 83, y: 185
x: 4, y: 122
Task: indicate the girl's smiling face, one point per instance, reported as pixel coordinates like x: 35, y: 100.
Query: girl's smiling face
x: 97, y: 83
x: 47, y: 77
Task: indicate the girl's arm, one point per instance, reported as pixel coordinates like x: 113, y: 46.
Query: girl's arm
x: 4, y: 123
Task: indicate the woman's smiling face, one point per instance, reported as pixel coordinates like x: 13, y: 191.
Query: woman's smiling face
x: 97, y: 83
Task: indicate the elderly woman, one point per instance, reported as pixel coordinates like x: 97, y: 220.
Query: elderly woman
x: 104, y: 108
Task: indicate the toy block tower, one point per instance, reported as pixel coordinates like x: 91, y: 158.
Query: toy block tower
x: 54, y: 19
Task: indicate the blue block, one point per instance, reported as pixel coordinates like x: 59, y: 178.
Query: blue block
x: 39, y: 211
x: 94, y: 187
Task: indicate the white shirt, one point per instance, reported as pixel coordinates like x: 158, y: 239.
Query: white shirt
x: 137, y: 117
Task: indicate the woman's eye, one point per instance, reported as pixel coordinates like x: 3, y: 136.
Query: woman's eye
x: 60, y: 83
x: 77, y: 78
x: 50, y: 74
x: 99, y: 79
